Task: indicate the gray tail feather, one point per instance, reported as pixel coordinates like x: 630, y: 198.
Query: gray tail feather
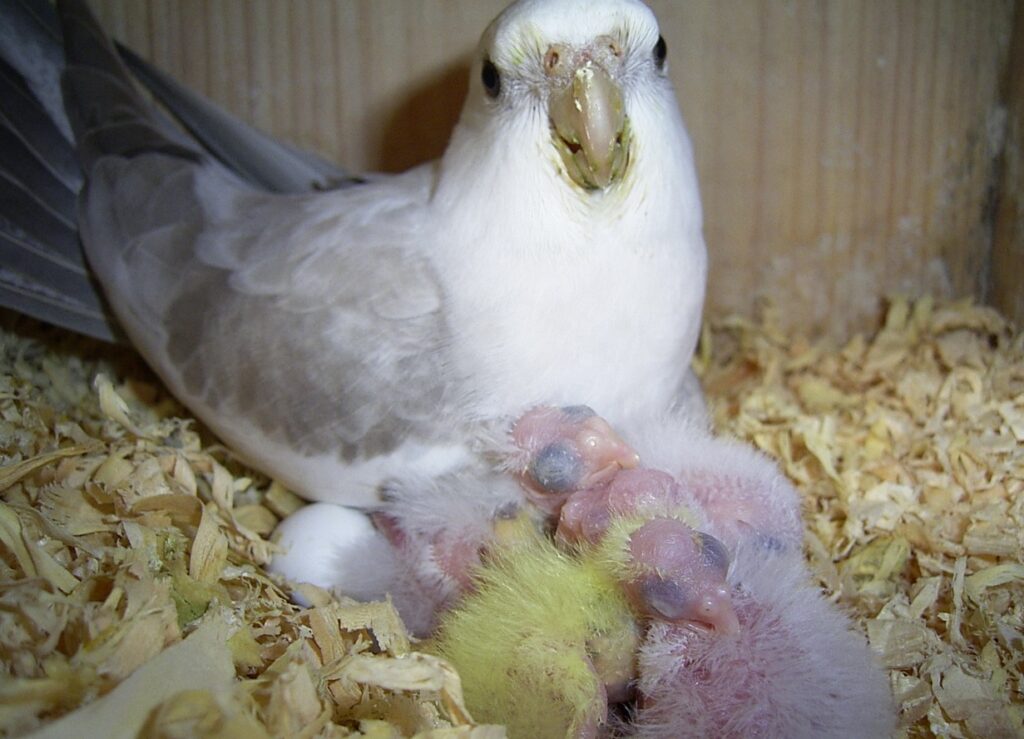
x: 108, y: 115
x: 30, y: 42
x: 261, y: 159
x: 42, y: 269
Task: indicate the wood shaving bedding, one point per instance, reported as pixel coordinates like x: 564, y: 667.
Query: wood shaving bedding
x: 132, y: 585
x: 909, y: 451
x: 133, y: 599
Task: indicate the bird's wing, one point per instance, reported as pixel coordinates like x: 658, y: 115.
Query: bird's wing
x: 305, y: 329
x: 44, y: 273
x: 257, y: 157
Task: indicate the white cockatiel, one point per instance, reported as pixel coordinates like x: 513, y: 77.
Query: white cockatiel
x: 370, y: 345
x: 344, y: 340
x: 418, y: 346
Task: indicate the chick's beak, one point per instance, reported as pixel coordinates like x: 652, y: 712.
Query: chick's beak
x: 589, y: 126
x: 715, y: 609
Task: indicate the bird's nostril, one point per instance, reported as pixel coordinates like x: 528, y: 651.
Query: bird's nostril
x: 551, y: 60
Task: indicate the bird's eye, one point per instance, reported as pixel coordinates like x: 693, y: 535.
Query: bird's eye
x: 713, y: 552
x: 491, y: 78
x: 660, y: 52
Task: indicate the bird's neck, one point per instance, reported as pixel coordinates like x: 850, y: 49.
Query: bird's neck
x: 557, y: 284
x: 510, y: 196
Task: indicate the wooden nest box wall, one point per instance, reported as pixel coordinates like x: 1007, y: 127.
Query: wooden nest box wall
x: 847, y: 150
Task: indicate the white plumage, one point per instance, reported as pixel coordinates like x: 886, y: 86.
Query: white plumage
x: 372, y: 346
x: 339, y: 340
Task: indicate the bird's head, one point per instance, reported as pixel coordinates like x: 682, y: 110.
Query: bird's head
x: 572, y: 77
x: 677, y: 574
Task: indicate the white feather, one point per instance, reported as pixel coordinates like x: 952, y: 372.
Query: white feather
x: 333, y: 339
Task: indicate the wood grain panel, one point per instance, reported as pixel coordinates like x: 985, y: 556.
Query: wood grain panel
x: 1008, y: 248
x: 847, y: 149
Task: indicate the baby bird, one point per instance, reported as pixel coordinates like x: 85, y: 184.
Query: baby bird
x: 430, y: 533
x: 736, y: 641
x: 562, y: 450
x: 550, y: 641
x: 795, y: 668
x: 544, y: 643
x: 643, y: 524
x: 666, y: 542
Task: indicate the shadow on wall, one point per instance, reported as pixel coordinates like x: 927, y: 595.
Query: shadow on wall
x: 418, y: 128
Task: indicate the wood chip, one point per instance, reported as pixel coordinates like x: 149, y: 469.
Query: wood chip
x: 122, y: 534
x: 907, y: 448
x: 123, y: 538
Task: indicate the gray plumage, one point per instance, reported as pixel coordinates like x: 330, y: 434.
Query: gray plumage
x: 44, y: 273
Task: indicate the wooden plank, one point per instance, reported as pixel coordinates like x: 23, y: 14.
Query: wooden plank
x: 1008, y: 248
x: 847, y: 149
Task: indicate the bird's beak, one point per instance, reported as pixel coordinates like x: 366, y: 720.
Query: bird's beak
x: 716, y: 610
x: 589, y: 126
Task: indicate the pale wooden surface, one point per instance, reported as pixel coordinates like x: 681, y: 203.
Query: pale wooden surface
x: 1008, y: 247
x: 846, y: 148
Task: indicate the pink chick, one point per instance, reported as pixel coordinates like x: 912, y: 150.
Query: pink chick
x: 743, y: 494
x: 561, y: 450
x: 646, y: 522
x: 795, y: 668
x: 677, y: 574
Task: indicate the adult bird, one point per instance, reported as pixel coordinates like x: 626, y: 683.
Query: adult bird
x: 349, y: 339
x: 372, y: 345
x: 401, y: 344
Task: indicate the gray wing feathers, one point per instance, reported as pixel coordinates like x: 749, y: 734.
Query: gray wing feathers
x: 43, y: 271
x: 312, y: 318
x: 252, y: 154
x: 305, y: 330
x: 30, y: 41
x: 284, y: 314
x: 26, y: 120
x: 107, y: 114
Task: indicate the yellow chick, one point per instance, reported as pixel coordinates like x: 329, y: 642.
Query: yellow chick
x: 548, y: 638
x: 544, y: 644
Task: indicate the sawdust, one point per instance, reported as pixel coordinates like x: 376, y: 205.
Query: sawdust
x: 908, y: 447
x: 133, y: 599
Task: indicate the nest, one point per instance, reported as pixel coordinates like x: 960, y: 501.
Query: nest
x: 133, y: 599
